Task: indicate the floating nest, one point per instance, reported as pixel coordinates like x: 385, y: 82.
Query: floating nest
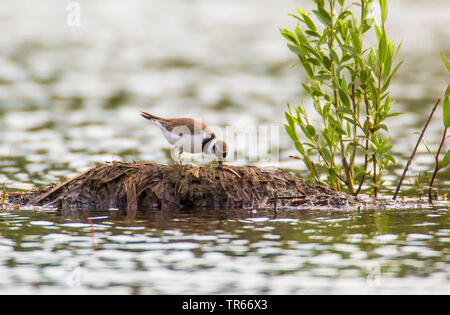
x: 150, y: 185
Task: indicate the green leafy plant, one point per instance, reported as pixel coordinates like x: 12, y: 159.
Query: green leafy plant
x: 348, y: 84
x: 446, y: 119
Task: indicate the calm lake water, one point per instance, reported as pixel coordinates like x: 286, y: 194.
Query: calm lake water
x: 70, y: 97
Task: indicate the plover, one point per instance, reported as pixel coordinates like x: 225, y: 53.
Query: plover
x: 189, y: 135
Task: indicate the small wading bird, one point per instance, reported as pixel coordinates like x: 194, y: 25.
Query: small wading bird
x: 189, y: 135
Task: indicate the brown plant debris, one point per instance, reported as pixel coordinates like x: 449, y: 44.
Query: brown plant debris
x: 142, y: 185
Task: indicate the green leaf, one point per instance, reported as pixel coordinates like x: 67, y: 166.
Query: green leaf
x: 377, y: 28
x: 345, y: 58
x: 356, y: 40
x: 323, y: 17
x: 323, y: 77
x: 390, y: 158
x: 385, y: 149
x: 308, y: 49
x: 311, y: 131
x: 343, y: 30
x: 389, y: 78
x: 299, y: 112
x: 306, y: 66
x: 316, y: 91
x: 290, y: 120
x: 289, y: 36
x: 332, y: 172
x: 290, y: 132
x: 366, y: 25
x: 307, y: 20
x: 337, y: 127
x: 344, y: 14
x: 312, y: 33
x: 295, y: 49
x: 445, y: 60
x: 326, y: 62
x: 334, y: 57
x: 326, y: 154
x: 320, y: 3
x: 300, y: 148
x: 352, y: 52
x: 382, y: 48
x: 389, y: 58
x: 384, y: 8
x: 447, y: 107
x: 395, y: 114
x: 347, y: 111
x: 300, y: 35
x: 344, y: 98
x: 343, y: 85
x: 445, y: 161
x: 314, y: 61
x: 326, y: 137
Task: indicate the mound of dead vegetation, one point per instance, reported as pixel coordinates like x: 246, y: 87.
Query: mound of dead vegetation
x: 149, y: 185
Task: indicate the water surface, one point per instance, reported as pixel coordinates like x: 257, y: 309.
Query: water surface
x: 227, y: 252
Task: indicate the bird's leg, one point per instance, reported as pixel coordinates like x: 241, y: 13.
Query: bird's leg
x: 179, y: 156
x: 175, y: 153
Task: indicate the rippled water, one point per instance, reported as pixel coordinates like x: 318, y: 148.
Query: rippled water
x: 70, y: 98
x: 205, y: 252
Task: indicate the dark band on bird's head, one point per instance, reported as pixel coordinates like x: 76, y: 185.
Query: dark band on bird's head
x: 207, y: 140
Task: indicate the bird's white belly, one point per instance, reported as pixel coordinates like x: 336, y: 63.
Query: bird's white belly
x: 170, y: 137
x: 190, y: 143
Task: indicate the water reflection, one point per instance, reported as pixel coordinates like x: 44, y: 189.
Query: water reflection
x: 226, y: 252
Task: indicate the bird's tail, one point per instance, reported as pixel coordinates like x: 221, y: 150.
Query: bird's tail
x: 150, y: 116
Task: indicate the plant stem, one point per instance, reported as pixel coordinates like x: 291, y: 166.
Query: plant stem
x: 355, y: 127
x: 363, y: 176
x: 436, y: 170
x: 366, y: 155
x: 375, y: 125
x: 415, y: 149
x: 348, y: 176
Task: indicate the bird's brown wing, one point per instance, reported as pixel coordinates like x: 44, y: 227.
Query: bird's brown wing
x: 195, y: 126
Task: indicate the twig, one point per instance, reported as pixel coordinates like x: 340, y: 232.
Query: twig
x: 92, y: 231
x: 58, y: 187
x: 287, y: 197
x: 231, y: 171
x: 415, y: 149
x: 103, y: 182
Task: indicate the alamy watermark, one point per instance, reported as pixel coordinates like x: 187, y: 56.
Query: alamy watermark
x: 73, y: 17
x: 373, y: 278
x: 73, y: 277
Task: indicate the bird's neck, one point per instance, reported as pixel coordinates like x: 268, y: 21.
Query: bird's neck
x: 207, y: 141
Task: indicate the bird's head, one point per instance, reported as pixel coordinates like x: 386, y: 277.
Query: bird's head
x: 220, y: 150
